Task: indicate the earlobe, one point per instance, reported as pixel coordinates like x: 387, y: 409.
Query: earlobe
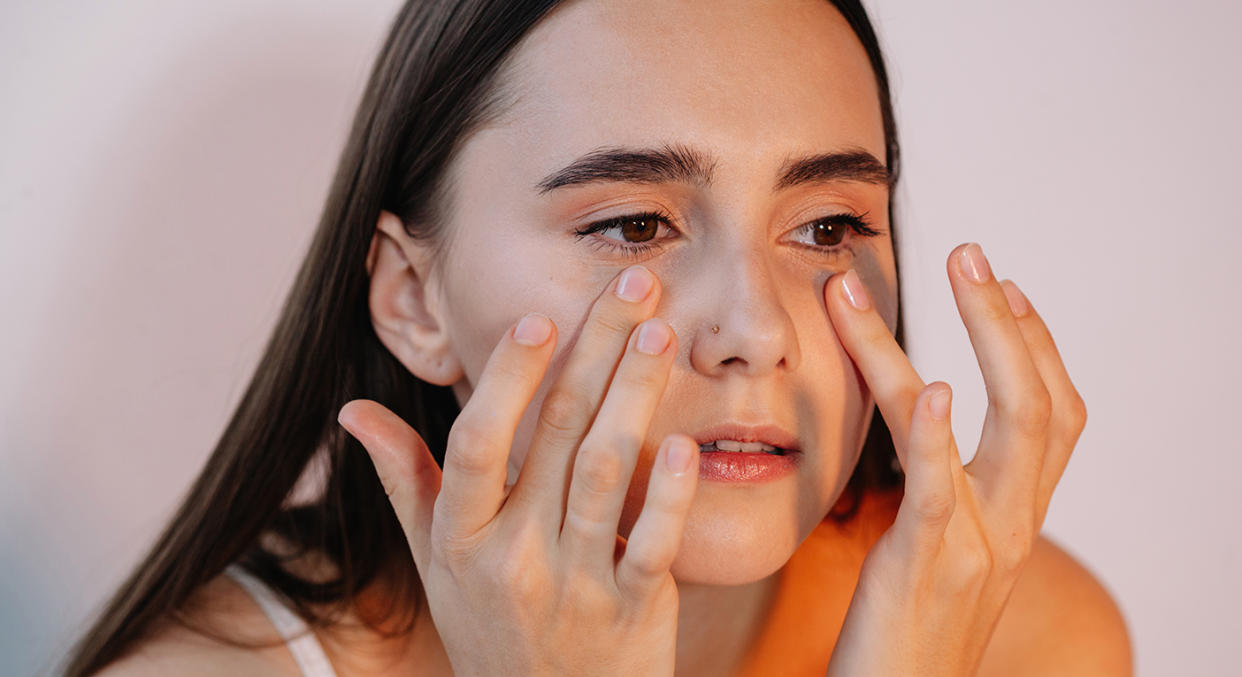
x: 403, y: 305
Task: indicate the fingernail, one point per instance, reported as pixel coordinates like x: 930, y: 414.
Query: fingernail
x: 635, y: 284
x: 855, y: 291
x: 974, y: 264
x: 652, y: 337
x: 1017, y: 300
x: 532, y: 330
x: 678, y: 456
x: 939, y: 403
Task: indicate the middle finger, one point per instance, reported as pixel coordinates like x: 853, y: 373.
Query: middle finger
x: 1011, y: 448
x: 574, y: 398
x: 605, y: 462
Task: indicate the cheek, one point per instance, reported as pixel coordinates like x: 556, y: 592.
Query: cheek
x: 878, y: 270
x: 490, y: 293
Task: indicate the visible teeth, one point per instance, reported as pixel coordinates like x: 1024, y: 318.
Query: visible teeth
x: 734, y: 445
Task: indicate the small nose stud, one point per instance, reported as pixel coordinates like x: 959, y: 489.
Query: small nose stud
x: 715, y: 329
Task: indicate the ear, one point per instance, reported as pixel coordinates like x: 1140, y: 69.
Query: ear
x: 405, y: 315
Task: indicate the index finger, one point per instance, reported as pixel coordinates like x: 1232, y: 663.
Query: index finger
x: 881, y: 361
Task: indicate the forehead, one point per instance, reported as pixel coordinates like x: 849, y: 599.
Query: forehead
x: 749, y: 81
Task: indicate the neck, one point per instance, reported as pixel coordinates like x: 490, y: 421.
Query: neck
x: 717, y: 625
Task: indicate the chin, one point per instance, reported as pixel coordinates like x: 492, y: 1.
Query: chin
x: 735, y: 546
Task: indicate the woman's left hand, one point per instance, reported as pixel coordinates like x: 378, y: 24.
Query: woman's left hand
x: 933, y: 586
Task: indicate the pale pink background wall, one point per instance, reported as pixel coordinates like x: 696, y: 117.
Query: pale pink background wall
x: 162, y: 165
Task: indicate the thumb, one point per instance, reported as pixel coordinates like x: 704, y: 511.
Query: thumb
x: 409, y: 473
x: 930, y: 499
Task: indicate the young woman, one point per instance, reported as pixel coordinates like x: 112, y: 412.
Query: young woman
x: 606, y: 296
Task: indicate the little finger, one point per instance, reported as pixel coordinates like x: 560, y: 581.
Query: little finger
x: 656, y: 536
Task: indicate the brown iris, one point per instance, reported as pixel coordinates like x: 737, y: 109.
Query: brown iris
x: 639, y: 229
x: 828, y: 234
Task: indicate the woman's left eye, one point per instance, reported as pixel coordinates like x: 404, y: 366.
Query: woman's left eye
x: 827, y: 234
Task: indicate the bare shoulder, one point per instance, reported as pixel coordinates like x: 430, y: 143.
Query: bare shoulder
x: 1060, y: 620
x: 224, y: 608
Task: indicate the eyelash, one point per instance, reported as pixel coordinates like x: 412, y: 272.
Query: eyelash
x: 857, y: 223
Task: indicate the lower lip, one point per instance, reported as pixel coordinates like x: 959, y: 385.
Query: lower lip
x: 738, y: 466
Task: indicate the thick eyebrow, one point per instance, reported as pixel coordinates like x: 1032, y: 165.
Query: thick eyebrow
x: 851, y: 165
x: 677, y: 163
x: 666, y: 164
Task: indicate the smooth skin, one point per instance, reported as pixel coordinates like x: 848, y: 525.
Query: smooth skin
x: 941, y: 575
x: 511, y: 595
x: 529, y: 534
x: 527, y: 579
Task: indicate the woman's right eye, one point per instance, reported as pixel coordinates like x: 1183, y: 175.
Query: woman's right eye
x: 638, y: 228
x: 632, y: 233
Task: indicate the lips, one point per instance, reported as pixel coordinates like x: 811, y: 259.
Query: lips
x: 771, y: 435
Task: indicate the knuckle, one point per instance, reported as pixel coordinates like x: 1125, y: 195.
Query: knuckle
x: 467, y: 451
x: 518, y: 567
x: 470, y: 461
x: 648, y: 563
x: 466, y: 432
x: 598, y: 470
x: 515, y: 374
x: 1013, y: 553
x: 517, y: 576
x: 997, y: 309
x: 640, y: 377
x: 452, y: 550
x: 1030, y: 412
x: 976, y: 563
x: 1076, y: 411
x: 936, y: 508
x: 580, y: 524
x: 564, y: 413
x: 612, y: 321
x: 877, y: 334
x: 590, y: 595
x: 667, y: 503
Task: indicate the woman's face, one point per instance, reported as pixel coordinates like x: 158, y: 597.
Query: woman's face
x: 751, y: 88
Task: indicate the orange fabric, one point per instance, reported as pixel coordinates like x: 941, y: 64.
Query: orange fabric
x: 814, y: 591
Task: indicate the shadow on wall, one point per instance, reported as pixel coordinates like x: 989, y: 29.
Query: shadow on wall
x: 187, y: 227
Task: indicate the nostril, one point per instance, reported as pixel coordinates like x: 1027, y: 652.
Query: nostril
x: 731, y: 360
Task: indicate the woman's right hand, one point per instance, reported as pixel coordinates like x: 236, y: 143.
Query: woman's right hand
x: 536, y: 580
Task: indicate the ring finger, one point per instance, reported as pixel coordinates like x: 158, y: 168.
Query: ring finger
x: 574, y: 398
x: 605, y: 461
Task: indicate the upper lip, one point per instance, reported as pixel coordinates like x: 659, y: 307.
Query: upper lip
x: 771, y: 435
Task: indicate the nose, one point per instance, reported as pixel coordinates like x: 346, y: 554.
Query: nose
x: 754, y: 333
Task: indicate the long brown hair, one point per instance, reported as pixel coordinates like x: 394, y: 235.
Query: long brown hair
x: 437, y: 78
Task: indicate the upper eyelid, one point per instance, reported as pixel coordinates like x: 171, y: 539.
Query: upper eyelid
x: 671, y: 222
x: 597, y: 225
x: 862, y: 230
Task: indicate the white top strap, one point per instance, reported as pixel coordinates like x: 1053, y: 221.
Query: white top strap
x: 306, y: 650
